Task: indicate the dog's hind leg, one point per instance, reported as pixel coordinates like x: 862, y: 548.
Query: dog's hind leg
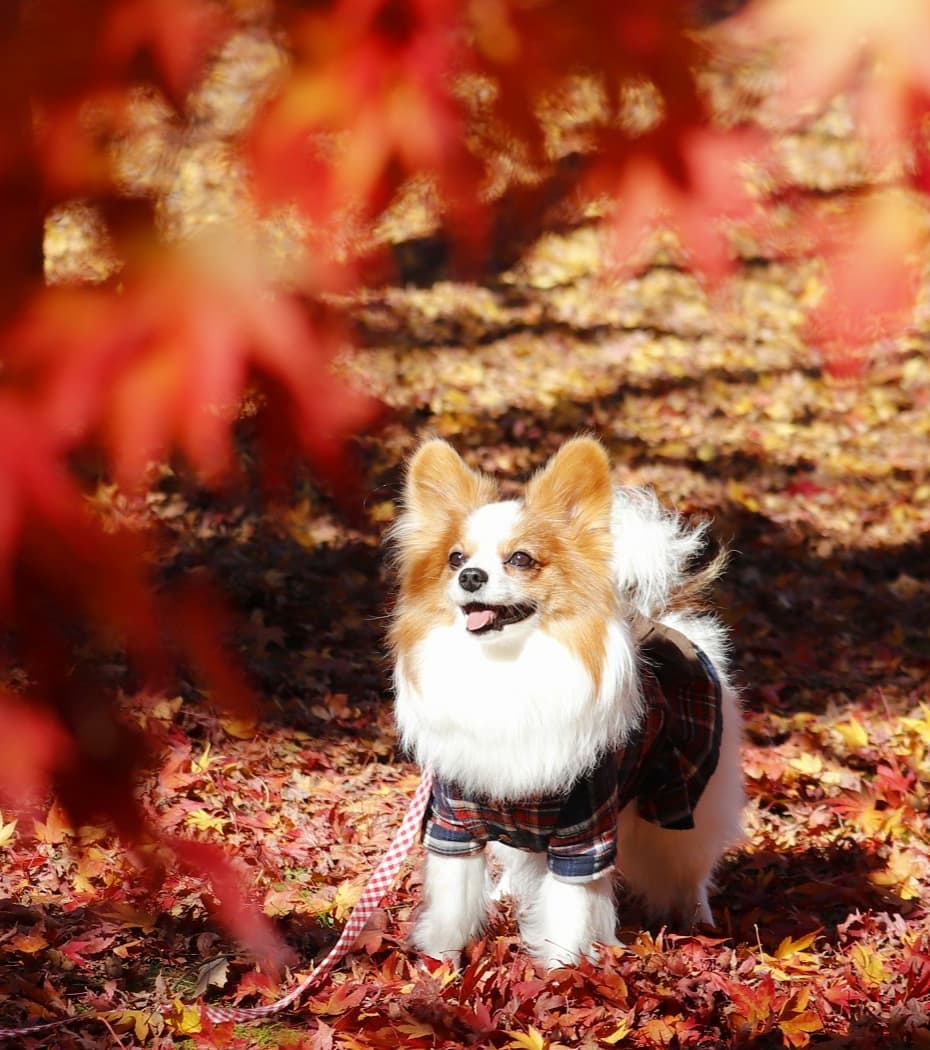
x: 670, y: 871
x: 667, y: 871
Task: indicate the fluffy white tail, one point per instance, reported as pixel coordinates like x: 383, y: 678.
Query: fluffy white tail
x: 654, y: 554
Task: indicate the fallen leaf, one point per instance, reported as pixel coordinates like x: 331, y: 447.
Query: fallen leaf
x: 204, y: 821
x: 28, y: 943
x: 185, y: 1020
x: 869, y: 965
x: 214, y: 972
x: 797, y: 1029
x: 6, y: 831
x: 531, y: 1039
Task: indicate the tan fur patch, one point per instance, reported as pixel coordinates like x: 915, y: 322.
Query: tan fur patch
x: 567, y: 530
x: 440, y: 493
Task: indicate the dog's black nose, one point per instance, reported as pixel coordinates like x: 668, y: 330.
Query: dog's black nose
x: 472, y: 579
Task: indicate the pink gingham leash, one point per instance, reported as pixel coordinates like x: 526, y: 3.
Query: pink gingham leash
x: 378, y: 885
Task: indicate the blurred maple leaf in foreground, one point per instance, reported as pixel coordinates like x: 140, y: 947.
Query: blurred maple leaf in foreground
x: 164, y: 363
x: 873, y: 54
x: 154, y: 364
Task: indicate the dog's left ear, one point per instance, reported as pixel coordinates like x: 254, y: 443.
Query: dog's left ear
x: 574, y: 485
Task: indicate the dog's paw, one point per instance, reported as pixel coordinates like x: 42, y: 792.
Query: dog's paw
x: 554, y: 956
x: 435, y: 937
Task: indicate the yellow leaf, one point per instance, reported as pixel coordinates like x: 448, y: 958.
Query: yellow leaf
x: 706, y: 452
x: 869, y: 965
x: 418, y: 1030
x: 185, y: 1020
x: 137, y: 1020
x: 56, y: 828
x: 6, y: 831
x: 204, y: 821
x: 789, y: 947
x: 89, y: 833
x: 82, y: 884
x: 532, y: 1039
x: 854, y: 734
x: 165, y: 710
x: 807, y: 764
x: 346, y: 898
x: 880, y: 821
x: 281, y: 902
x: 200, y: 765
x: 920, y: 726
x: 316, y: 906
x: 621, y: 1032
x: 903, y: 872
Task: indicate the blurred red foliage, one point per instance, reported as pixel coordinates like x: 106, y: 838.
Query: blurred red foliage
x: 155, y: 361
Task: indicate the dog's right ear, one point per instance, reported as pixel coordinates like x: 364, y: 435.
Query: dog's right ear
x: 440, y: 483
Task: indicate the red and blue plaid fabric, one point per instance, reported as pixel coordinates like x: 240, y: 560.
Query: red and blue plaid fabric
x: 576, y: 830
x: 663, y: 768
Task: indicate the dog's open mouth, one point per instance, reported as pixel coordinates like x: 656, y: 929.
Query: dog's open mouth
x: 482, y: 619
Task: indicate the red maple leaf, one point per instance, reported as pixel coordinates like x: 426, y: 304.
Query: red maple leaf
x: 169, y: 39
x: 369, y: 104
x: 163, y: 364
x: 710, y: 190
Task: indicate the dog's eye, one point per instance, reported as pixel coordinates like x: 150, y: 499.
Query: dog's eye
x: 521, y: 560
x: 457, y: 559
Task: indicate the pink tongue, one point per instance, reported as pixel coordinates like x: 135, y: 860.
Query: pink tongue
x: 479, y: 618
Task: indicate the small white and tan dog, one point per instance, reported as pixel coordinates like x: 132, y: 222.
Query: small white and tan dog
x: 553, y: 670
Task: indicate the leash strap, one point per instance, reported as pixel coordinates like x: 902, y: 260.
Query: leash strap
x: 378, y: 885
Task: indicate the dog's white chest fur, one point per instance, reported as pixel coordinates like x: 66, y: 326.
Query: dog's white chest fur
x: 513, y: 718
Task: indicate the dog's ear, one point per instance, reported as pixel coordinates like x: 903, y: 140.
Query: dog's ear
x: 440, y: 483
x: 575, y: 485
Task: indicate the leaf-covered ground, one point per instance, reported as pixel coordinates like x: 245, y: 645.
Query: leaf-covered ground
x: 817, y: 477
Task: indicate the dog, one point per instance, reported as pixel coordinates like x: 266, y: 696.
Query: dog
x: 555, y: 671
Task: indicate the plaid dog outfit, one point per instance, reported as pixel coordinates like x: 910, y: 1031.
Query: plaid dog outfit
x: 663, y: 768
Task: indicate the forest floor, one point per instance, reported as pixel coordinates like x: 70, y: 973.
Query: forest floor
x: 817, y: 476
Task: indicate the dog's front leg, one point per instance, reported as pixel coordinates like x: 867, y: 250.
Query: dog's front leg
x: 567, y: 919
x: 455, y: 908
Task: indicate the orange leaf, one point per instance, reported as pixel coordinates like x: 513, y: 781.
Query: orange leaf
x: 798, y: 1028
x: 28, y: 943
x: 56, y: 827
